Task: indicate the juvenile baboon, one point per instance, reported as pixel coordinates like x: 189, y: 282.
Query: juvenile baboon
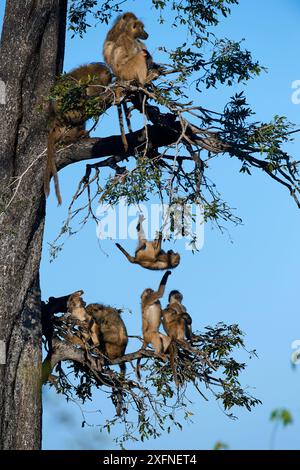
x: 129, y: 55
x: 151, y: 317
x: 113, y: 340
x: 149, y: 254
x: 98, y: 71
x: 76, y: 307
x: 176, y: 321
x: 68, y: 127
x: 128, y: 58
x: 113, y: 34
x: 112, y: 331
x: 88, y: 327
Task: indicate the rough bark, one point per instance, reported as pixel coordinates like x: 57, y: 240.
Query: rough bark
x: 31, y: 54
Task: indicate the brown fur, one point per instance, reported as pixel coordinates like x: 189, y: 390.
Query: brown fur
x: 129, y: 55
x: 151, y: 317
x: 98, y: 70
x: 113, y: 340
x: 113, y: 336
x: 69, y: 127
x: 76, y: 308
x: 113, y: 34
x: 176, y: 321
x: 149, y: 254
x: 101, y: 323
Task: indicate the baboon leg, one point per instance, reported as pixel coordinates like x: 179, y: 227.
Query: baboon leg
x: 173, y: 360
x: 94, y: 335
x: 127, y: 116
x: 142, y: 240
x: 166, y: 341
x: 157, y: 342
x: 188, y: 331
x: 139, y: 66
x: 121, y: 123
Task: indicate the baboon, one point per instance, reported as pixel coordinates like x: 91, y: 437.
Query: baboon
x: 129, y: 59
x: 113, y: 336
x: 114, y: 33
x: 54, y: 305
x: 68, y: 127
x: 88, y: 327
x: 151, y: 317
x: 149, y: 254
x: 176, y: 321
x: 113, y: 340
x: 129, y: 55
x: 102, y: 324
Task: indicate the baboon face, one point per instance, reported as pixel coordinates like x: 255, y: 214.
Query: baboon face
x: 138, y: 31
x: 175, y: 295
x: 147, y: 293
x: 75, y: 301
x: 174, y: 258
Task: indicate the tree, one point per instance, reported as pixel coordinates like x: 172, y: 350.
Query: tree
x: 178, y: 134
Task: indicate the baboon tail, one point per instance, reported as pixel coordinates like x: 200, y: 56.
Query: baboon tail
x: 51, y: 169
x: 173, y: 355
x: 117, y: 392
x: 50, y: 157
x: 122, y: 369
x: 121, y: 123
x: 138, y: 368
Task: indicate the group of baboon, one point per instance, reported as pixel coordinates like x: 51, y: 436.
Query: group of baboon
x: 127, y: 57
x: 103, y: 325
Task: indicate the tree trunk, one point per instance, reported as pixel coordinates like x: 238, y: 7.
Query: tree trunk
x: 31, y: 55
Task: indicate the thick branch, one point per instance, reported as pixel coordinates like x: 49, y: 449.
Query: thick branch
x: 64, y: 351
x: 154, y: 136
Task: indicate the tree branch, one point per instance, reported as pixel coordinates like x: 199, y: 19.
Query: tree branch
x: 65, y: 351
x: 154, y: 136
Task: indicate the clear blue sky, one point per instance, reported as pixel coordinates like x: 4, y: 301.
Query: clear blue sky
x: 250, y: 278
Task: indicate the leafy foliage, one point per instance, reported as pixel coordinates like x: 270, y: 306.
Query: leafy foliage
x: 160, y: 401
x: 69, y: 97
x: 80, y: 10
x: 196, y: 14
x: 201, y: 135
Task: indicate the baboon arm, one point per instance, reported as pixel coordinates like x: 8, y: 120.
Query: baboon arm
x: 134, y: 68
x: 188, y: 331
x: 128, y: 256
x: 187, y: 318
